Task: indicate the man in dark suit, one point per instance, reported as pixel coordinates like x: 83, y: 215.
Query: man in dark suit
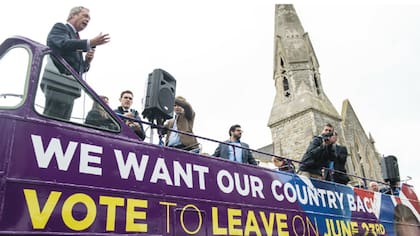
x: 64, y: 40
x: 126, y: 99
x: 318, y: 154
x: 337, y: 172
x: 233, y: 153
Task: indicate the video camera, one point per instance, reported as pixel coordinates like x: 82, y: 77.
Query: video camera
x: 327, y: 136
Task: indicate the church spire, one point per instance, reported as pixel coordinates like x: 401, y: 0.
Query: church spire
x: 300, y: 105
x: 296, y: 70
x: 301, y: 108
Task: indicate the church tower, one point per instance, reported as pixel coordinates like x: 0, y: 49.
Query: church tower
x: 301, y: 108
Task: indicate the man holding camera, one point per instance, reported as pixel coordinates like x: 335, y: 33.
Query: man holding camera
x: 318, y: 154
x: 337, y: 167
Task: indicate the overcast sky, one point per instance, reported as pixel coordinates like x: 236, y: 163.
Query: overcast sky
x: 221, y: 54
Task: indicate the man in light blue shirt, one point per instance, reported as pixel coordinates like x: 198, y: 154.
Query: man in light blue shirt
x: 236, y: 151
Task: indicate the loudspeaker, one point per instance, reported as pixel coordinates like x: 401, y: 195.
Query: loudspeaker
x: 390, y: 170
x: 160, y: 96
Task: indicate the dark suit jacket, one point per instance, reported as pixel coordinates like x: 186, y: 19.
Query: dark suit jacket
x: 185, y: 123
x: 140, y: 132
x: 63, y: 41
x: 223, y: 151
x: 340, y: 165
x: 316, y: 156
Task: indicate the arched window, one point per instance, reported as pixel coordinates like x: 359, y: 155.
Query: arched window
x: 286, y: 87
x: 316, y: 84
x: 14, y: 69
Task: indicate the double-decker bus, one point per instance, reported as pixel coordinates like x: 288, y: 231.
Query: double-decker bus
x: 65, y: 176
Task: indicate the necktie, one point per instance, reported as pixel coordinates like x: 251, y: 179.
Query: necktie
x: 77, y: 35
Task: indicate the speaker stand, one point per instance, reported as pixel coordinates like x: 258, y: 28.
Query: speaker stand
x: 158, y: 124
x: 151, y: 134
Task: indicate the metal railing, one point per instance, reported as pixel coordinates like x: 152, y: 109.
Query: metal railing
x: 364, y: 180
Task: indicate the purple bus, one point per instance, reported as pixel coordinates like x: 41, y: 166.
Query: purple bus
x: 62, y: 175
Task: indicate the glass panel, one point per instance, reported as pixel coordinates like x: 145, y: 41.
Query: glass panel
x: 61, y: 96
x: 14, y: 65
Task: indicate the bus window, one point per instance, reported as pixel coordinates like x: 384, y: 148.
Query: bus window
x: 14, y: 67
x: 60, y: 96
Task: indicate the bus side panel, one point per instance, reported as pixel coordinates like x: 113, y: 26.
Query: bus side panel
x: 6, y: 137
x: 46, y: 207
x: 78, y: 173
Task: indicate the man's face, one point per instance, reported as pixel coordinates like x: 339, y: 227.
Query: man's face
x: 237, y: 133
x: 374, y: 187
x: 327, y: 130
x: 80, y: 20
x: 126, y: 100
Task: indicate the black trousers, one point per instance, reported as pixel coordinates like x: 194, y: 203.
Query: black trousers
x: 59, y: 105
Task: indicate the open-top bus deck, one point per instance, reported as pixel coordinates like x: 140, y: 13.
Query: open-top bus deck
x: 65, y: 177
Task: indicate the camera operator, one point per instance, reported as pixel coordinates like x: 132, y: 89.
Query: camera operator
x: 318, y: 154
x: 337, y: 171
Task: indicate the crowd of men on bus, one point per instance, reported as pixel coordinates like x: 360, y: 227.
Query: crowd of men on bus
x: 323, y: 159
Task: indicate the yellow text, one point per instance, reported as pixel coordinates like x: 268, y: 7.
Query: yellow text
x: 40, y: 215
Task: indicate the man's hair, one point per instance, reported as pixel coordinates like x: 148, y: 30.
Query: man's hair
x: 233, y: 128
x: 74, y: 11
x: 329, y: 125
x: 126, y: 91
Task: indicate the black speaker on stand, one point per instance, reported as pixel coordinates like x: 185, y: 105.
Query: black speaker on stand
x: 160, y: 98
x: 391, y: 171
